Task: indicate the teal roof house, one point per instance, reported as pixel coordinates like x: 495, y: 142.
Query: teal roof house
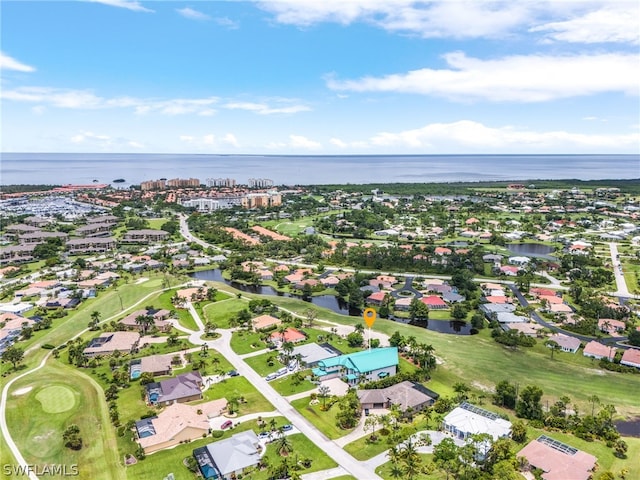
x: 367, y: 365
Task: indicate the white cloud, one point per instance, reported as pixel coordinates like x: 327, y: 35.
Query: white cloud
x: 475, y: 135
x: 227, y: 23
x: 85, y: 99
x: 614, y: 22
x: 295, y: 142
x: 298, y: 141
x: 263, y: 109
x: 134, y: 144
x: 192, y: 14
x: 520, y: 78
x: 460, y: 18
x: 10, y: 63
x: 133, y: 5
x: 210, y: 140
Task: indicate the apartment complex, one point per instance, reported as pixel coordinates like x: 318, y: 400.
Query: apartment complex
x: 260, y: 183
x: 173, y: 183
x: 221, y: 182
x: 262, y: 200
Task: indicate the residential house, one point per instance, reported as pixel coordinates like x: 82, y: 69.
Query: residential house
x: 567, y: 344
x: 611, y: 326
x: 312, y: 353
x: 491, y: 310
x: 289, y: 335
x: 597, y: 350
x: 406, y: 395
x: 467, y: 419
x: 182, y: 388
x: 230, y: 457
x: 176, y: 424
x: 265, y: 322
x: 557, y: 460
x: 372, y: 364
x: 154, y: 364
x: 376, y: 298
x: 159, y: 320
x: 631, y: 358
x: 434, y: 302
x: 110, y: 342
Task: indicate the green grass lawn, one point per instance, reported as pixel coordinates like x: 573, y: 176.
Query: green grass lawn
x: 61, y: 396
x: 265, y: 364
x: 184, y: 317
x: 243, y: 342
x: 221, y: 312
x: 323, y: 421
x: 363, y: 449
x: 239, y: 387
x: 285, y: 387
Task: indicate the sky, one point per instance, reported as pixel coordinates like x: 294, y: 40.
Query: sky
x: 322, y: 77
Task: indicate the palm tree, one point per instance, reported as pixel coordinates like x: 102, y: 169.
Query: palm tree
x: 283, y: 445
x: 553, y: 346
x: 144, y: 321
x: 323, y: 393
x: 359, y: 328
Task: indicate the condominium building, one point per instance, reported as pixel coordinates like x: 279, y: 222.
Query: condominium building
x: 153, y: 185
x: 260, y: 182
x: 183, y: 182
x: 262, y: 200
x: 221, y: 182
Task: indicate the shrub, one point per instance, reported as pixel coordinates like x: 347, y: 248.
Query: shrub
x: 47, y: 346
x: 217, y: 433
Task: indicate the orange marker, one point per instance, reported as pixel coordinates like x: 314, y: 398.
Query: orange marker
x: 369, y: 315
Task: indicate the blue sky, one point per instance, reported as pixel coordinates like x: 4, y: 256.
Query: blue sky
x: 321, y: 77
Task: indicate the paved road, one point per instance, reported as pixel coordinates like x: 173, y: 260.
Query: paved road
x: 342, y: 458
x: 583, y: 338
x: 621, y: 283
x: 4, y: 428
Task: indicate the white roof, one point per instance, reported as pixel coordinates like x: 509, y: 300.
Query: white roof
x: 235, y: 453
x: 465, y: 420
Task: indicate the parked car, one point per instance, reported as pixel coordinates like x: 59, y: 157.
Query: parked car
x: 226, y: 425
x: 287, y: 427
x: 233, y: 373
x: 263, y: 435
x: 282, y: 371
x: 270, y: 377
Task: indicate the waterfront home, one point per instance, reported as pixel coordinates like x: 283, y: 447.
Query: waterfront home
x: 153, y: 364
x: 312, y: 353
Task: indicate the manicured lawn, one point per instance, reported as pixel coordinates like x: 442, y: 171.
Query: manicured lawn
x: 37, y: 427
x: 239, y: 387
x: 323, y: 421
x: 480, y: 361
x: 243, y: 341
x: 302, y: 448
x: 184, y: 317
x: 222, y: 311
x: 363, y: 449
x: 260, y: 363
x: 285, y: 387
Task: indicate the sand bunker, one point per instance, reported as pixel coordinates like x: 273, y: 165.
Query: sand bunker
x: 22, y: 391
x: 141, y: 280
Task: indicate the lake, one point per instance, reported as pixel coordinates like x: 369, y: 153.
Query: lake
x: 332, y: 303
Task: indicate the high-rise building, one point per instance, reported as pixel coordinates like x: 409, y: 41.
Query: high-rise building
x: 221, y: 182
x: 153, y: 185
x: 260, y: 182
x: 183, y: 182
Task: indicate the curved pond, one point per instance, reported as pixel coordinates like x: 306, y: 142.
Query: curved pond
x: 531, y: 249
x: 333, y: 303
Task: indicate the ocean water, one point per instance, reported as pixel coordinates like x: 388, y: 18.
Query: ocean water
x: 59, y: 168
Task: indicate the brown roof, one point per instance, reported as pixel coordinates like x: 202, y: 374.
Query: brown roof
x: 560, y: 462
x: 178, y: 417
x: 264, y: 321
